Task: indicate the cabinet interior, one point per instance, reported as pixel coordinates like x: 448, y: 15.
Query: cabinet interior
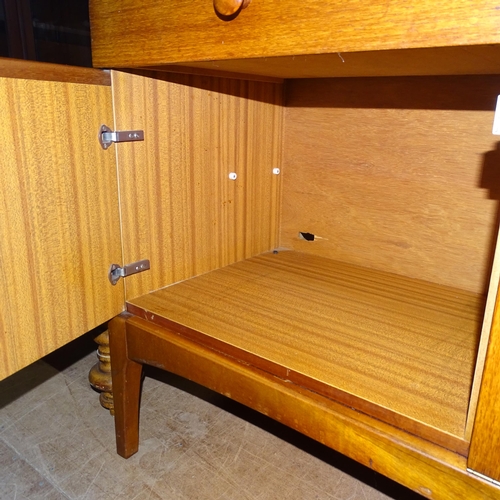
x: 393, y: 181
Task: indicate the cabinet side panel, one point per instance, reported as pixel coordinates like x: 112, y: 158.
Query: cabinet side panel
x: 179, y: 207
x: 483, y: 455
x: 59, y: 223
x: 396, y: 174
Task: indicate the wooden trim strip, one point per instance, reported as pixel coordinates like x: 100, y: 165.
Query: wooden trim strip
x: 422, y: 466
x: 32, y: 70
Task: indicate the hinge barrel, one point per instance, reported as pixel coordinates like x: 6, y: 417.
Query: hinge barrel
x: 108, y: 137
x: 116, y: 272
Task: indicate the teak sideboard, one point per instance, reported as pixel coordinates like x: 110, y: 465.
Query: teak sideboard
x: 318, y: 194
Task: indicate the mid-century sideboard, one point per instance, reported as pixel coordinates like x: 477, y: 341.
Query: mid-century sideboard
x: 304, y: 200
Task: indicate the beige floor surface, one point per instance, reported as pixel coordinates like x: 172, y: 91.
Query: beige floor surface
x: 56, y: 442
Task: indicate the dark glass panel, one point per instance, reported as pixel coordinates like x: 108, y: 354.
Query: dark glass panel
x: 61, y: 31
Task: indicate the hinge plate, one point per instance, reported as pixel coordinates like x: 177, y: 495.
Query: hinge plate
x: 116, y: 272
x: 107, y: 136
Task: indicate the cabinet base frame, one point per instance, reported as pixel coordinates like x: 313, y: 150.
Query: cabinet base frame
x: 418, y: 464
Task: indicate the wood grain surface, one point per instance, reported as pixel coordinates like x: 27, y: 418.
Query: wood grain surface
x: 210, y: 71
x: 34, y: 70
x: 397, y: 174
x: 468, y: 60
x: 127, y: 34
x: 402, y: 350
x: 59, y: 223
x: 179, y: 207
x: 418, y: 464
x: 127, y: 381
x: 486, y: 330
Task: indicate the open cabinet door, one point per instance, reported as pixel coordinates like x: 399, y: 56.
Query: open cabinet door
x: 59, y: 215
x: 202, y: 191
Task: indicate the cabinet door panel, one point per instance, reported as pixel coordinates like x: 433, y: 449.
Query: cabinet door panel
x: 179, y: 207
x: 59, y: 220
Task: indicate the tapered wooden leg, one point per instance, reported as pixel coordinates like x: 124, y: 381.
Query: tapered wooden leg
x: 100, y: 373
x: 127, y: 376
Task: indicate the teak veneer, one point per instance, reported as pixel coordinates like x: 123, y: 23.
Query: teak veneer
x: 59, y: 208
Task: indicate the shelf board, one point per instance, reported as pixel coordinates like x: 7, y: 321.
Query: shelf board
x: 399, y: 349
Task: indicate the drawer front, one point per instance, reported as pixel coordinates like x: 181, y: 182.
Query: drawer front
x: 127, y: 33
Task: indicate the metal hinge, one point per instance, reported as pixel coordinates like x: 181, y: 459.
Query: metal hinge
x: 108, y: 137
x: 116, y: 272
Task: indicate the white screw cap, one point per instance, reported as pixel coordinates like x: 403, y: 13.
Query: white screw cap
x: 233, y: 176
x: 276, y: 171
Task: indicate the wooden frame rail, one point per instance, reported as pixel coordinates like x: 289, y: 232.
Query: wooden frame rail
x: 48, y: 72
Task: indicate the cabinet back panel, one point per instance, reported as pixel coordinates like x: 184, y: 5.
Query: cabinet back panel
x: 179, y: 207
x: 396, y: 174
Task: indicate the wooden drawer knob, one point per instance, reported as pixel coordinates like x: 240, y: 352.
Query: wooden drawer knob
x: 227, y: 8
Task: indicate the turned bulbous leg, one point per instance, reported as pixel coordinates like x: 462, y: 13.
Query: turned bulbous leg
x: 100, y: 373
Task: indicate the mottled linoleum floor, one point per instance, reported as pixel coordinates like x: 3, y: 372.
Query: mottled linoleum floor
x: 56, y: 442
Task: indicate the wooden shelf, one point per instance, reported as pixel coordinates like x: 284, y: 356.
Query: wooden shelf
x: 396, y: 348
